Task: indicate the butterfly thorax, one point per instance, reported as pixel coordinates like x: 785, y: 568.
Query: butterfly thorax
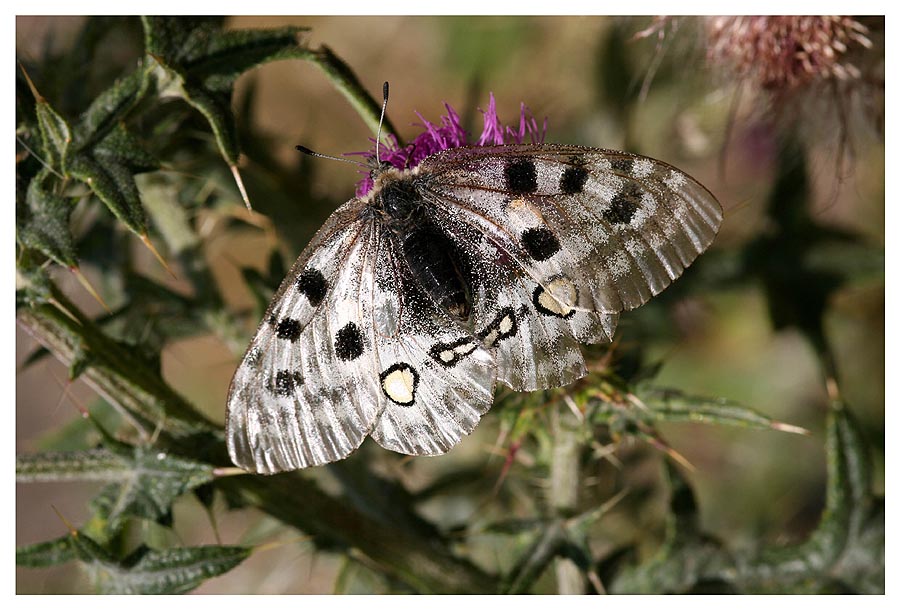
x: 433, y: 259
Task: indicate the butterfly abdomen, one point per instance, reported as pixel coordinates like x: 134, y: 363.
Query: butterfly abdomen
x: 433, y: 259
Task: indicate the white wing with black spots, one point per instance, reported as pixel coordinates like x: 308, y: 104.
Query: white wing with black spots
x: 304, y: 393
x: 534, y: 317
x: 352, y: 346
x: 582, y: 233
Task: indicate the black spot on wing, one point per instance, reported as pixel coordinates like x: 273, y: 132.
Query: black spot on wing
x: 521, y: 176
x: 624, y: 165
x: 288, y: 329
x: 572, y: 180
x: 348, y: 343
x: 286, y: 382
x: 312, y: 284
x: 624, y: 205
x: 540, y: 243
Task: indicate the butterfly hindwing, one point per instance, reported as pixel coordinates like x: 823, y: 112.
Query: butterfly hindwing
x: 534, y: 350
x: 437, y: 377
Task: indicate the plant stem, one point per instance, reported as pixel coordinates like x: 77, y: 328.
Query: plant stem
x: 565, y: 470
x: 345, y: 81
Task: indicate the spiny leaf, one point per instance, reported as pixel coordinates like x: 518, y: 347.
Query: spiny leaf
x: 143, y: 572
x: 672, y: 405
x: 171, y: 571
x: 686, y: 557
x: 201, y: 63
x: 104, y: 114
x: 535, y: 559
x: 216, y: 108
x: 114, y: 186
x: 91, y: 465
x: 851, y: 513
x: 33, y: 286
x: 56, y: 134
x: 42, y: 222
x: 176, y: 37
x: 230, y: 53
x: 44, y: 554
x: 123, y: 147
x: 150, y: 487
x: 845, y: 553
x: 213, y: 56
x: 145, y: 481
x: 861, y: 565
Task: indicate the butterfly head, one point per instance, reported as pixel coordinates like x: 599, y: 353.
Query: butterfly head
x: 394, y: 193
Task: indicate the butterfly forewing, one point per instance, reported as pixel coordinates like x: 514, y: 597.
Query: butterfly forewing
x: 352, y: 346
x: 631, y: 222
x: 303, y: 394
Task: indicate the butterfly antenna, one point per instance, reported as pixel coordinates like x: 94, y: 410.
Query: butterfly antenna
x: 384, y: 93
x: 313, y: 153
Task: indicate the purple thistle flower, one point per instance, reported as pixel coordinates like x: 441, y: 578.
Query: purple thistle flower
x: 448, y: 134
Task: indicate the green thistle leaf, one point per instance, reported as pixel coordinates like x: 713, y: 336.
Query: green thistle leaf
x: 42, y: 222
x: 108, y: 109
x: 151, y: 572
x: 198, y: 62
x: 144, y: 481
x: 45, y: 554
x: 56, y: 135
x: 124, y: 148
x: 114, y: 185
x: 665, y: 404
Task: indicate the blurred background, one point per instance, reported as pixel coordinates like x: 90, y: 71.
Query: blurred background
x: 658, y: 88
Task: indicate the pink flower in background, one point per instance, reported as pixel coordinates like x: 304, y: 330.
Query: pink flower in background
x: 787, y: 52
x: 449, y: 133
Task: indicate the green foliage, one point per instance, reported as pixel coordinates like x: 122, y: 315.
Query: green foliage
x: 42, y: 222
x: 156, y: 572
x: 829, y: 561
x: 147, y: 144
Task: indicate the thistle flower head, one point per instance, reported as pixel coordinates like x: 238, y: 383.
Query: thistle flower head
x: 788, y: 52
x: 449, y: 133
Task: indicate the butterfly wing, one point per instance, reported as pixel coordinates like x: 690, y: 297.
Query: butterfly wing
x: 437, y: 377
x: 350, y: 346
x: 304, y: 394
x: 567, y: 237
